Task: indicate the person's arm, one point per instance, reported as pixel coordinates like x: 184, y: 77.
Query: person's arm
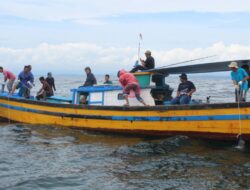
x: 193, y: 89
x: 178, y: 91
x: 39, y: 91
x: 53, y: 84
x: 142, y: 62
x: 191, y: 92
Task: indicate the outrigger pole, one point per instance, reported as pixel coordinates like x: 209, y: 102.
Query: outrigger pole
x: 191, y: 60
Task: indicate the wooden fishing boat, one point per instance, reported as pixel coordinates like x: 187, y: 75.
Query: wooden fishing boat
x: 105, y: 112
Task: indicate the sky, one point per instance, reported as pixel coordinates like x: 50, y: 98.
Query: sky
x: 65, y: 36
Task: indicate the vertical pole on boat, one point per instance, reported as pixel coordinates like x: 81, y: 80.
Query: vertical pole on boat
x: 139, y: 47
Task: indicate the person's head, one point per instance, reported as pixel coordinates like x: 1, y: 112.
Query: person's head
x: 42, y: 79
x: 1, y: 69
x: 147, y: 53
x: 183, y: 77
x: 233, y: 66
x: 26, y: 69
x: 246, y: 67
x: 118, y: 74
x: 49, y: 74
x: 29, y: 67
x: 107, y: 77
x: 87, y: 70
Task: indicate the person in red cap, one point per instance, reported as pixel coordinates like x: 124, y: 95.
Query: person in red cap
x: 129, y: 82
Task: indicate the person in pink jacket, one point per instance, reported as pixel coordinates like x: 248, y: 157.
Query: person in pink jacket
x: 129, y: 82
x: 9, y: 78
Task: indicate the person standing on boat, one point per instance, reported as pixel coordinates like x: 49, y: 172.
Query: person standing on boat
x: 90, y: 81
x: 51, y: 81
x: 45, y: 91
x: 129, y: 82
x: 147, y: 64
x: 9, y: 78
x: 25, y: 82
x: 184, y: 92
x: 107, y: 80
x: 239, y: 77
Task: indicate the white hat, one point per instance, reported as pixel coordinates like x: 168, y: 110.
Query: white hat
x: 148, y: 52
x: 233, y: 64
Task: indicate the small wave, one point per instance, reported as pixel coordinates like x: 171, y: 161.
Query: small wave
x: 153, y: 148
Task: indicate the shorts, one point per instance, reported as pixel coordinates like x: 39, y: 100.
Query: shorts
x: 134, y: 87
x: 10, y: 84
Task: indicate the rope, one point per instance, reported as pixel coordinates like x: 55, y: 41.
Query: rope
x: 239, y: 95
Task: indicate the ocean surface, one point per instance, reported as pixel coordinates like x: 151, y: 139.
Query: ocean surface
x: 46, y: 157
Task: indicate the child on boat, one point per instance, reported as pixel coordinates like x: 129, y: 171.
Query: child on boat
x: 45, y: 91
x: 129, y: 82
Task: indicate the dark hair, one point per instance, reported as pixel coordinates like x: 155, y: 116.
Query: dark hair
x: 245, y: 66
x: 183, y: 76
x: 26, y: 67
x: 41, y: 79
x: 1, y: 68
x: 87, y: 68
x: 118, y: 74
x: 107, y: 75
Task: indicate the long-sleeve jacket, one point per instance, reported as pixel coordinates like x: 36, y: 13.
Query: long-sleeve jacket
x: 90, y: 80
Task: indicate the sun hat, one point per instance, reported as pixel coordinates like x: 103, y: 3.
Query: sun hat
x: 233, y: 64
x: 148, y: 52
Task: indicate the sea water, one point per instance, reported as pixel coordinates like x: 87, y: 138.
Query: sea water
x: 45, y: 157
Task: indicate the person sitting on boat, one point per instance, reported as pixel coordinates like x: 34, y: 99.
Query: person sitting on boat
x: 25, y: 82
x: 246, y: 68
x: 90, y: 81
x: 9, y: 78
x: 45, y: 91
x: 184, y: 92
x: 239, y: 77
x: 129, y: 82
x: 51, y: 81
x: 107, y: 79
x: 147, y: 64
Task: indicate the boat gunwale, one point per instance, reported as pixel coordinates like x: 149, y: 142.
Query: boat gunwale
x: 132, y: 108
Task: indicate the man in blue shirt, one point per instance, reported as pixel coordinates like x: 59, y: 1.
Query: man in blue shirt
x: 25, y: 82
x: 239, y: 77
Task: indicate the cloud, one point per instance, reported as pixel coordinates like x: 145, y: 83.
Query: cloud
x: 72, y: 58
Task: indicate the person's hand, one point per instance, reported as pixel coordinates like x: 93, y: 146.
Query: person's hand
x: 240, y: 83
x: 236, y: 87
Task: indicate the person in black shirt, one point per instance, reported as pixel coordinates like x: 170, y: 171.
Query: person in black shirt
x: 149, y: 63
x: 45, y: 91
x: 90, y: 81
x: 184, y: 92
x: 51, y: 81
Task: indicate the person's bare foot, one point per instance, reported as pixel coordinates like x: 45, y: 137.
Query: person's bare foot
x: 126, y: 105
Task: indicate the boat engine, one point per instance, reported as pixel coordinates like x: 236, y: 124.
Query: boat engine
x: 161, y: 92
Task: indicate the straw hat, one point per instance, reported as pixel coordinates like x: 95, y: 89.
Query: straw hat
x: 233, y: 64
